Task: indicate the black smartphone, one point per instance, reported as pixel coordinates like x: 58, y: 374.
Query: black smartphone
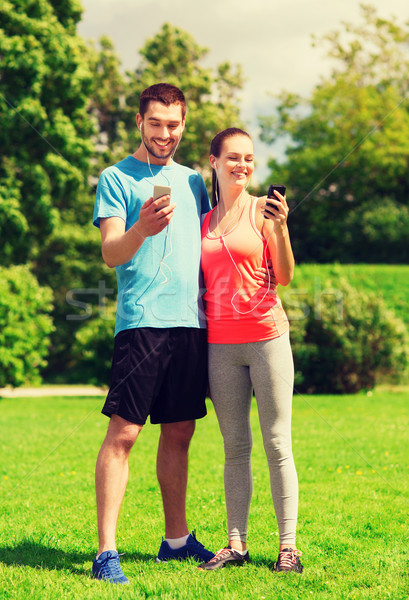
x: 270, y: 194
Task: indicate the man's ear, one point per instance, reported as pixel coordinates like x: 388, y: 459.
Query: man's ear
x: 139, y: 120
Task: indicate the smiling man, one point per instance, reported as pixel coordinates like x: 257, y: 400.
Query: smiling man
x: 159, y: 365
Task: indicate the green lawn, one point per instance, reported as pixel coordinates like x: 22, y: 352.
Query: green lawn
x: 352, y: 458
x: 390, y: 281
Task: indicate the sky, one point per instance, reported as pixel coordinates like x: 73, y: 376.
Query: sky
x: 270, y: 39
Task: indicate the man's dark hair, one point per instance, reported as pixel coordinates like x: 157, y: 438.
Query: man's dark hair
x: 162, y: 92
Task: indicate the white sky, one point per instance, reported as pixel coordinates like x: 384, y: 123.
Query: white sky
x: 270, y: 39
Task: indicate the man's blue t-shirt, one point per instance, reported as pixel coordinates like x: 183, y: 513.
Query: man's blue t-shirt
x: 161, y: 285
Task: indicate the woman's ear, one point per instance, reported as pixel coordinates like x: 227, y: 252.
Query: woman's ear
x: 212, y: 161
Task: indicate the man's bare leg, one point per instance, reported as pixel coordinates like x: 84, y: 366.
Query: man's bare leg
x: 172, y: 470
x: 111, y: 477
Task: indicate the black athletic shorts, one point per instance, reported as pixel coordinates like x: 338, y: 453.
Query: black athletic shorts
x: 158, y: 372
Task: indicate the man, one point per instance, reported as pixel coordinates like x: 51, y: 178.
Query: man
x: 160, y: 352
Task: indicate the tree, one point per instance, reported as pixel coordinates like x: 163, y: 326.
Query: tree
x: 46, y: 149
x: 67, y: 111
x: 44, y: 128
x: 107, y: 106
x: 173, y: 56
x: 349, y: 145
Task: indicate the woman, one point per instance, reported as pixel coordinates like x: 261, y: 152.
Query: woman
x: 249, y: 347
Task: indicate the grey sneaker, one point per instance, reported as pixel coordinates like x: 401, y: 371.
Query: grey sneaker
x: 225, y: 556
x: 288, y: 560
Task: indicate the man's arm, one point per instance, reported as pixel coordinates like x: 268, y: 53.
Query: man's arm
x: 120, y: 246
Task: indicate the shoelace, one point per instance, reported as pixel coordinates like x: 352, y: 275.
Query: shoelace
x: 114, y: 568
x: 288, y: 558
x: 222, y: 553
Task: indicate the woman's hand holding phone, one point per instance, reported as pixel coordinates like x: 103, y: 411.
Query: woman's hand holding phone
x: 271, y: 194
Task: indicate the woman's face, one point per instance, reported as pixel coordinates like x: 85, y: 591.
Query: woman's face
x: 235, y: 165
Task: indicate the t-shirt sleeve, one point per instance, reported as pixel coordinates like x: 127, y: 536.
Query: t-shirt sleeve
x: 110, y: 198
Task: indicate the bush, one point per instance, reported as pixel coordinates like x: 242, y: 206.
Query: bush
x: 377, y: 232
x: 344, y: 340
x: 24, y: 326
x: 93, y: 347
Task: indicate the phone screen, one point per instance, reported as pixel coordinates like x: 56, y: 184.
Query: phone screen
x: 280, y: 189
x: 270, y: 194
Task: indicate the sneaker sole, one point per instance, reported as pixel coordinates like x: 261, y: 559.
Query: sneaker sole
x: 160, y: 560
x: 299, y: 570
x: 230, y: 563
x: 107, y: 580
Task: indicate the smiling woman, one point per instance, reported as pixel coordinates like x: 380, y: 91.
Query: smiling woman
x: 249, y: 346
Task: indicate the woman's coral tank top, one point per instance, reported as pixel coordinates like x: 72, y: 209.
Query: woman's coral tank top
x: 238, y: 308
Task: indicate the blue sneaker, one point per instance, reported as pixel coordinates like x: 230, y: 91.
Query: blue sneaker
x: 192, y: 549
x: 107, y: 567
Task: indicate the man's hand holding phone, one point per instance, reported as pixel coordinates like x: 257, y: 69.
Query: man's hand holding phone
x: 156, y: 213
x: 162, y: 192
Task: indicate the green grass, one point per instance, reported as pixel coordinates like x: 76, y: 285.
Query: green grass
x: 352, y: 459
x: 390, y: 281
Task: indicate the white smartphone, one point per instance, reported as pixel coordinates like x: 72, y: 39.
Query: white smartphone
x: 161, y: 190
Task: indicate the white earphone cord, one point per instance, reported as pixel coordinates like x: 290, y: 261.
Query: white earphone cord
x: 235, y: 265
x: 169, y: 229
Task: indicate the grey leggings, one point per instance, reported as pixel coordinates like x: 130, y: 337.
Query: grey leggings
x: 234, y: 370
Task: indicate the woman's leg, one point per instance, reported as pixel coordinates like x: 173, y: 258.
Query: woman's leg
x: 272, y: 374
x: 231, y: 393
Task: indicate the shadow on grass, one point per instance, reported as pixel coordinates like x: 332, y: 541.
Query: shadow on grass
x: 262, y: 562
x: 33, y: 554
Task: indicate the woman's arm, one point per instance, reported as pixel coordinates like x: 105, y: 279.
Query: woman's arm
x: 274, y: 229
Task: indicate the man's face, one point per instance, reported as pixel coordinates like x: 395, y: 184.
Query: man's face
x: 161, y: 129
